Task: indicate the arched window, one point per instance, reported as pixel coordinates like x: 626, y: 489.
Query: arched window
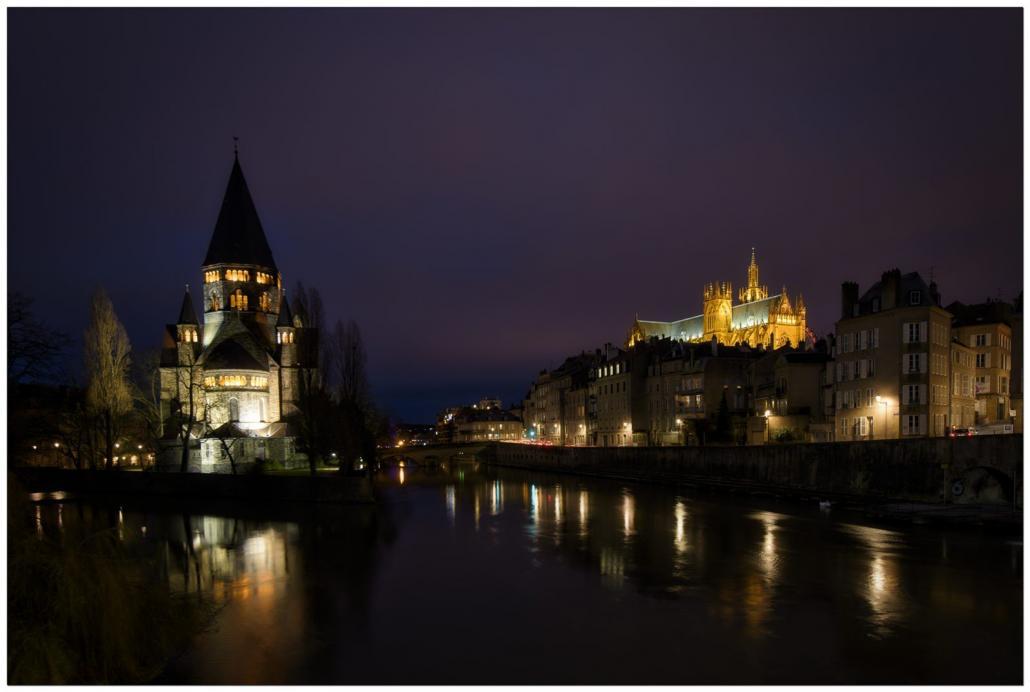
x: 261, y: 409
x: 234, y: 410
x: 266, y: 301
x: 238, y: 300
x: 216, y: 304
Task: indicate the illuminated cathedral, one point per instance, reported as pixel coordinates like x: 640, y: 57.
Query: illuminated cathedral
x: 234, y: 380
x: 757, y: 319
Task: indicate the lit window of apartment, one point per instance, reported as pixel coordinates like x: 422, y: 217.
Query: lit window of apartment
x: 983, y: 360
x: 981, y: 339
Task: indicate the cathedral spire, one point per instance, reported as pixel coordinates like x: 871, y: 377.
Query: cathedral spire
x: 238, y: 237
x: 753, y: 291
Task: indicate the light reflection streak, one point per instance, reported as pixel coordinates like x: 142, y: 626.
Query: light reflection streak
x: 584, y: 510
x: 450, y: 503
x: 681, y: 523
x: 882, y: 588
x: 628, y: 511
x: 39, y: 521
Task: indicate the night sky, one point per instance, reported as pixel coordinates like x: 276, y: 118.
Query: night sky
x: 488, y: 191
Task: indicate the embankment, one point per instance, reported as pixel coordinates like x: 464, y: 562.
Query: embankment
x: 978, y: 470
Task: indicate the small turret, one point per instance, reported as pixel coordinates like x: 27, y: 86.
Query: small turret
x: 187, y: 327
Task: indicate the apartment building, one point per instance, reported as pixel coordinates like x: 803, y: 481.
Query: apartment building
x: 892, y: 352
x: 787, y: 388
x: 962, y: 411
x: 986, y: 328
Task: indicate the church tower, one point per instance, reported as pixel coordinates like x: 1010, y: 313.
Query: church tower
x: 753, y: 291
x: 241, y: 280
x: 718, y: 311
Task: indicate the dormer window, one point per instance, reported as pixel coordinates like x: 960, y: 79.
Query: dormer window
x: 915, y: 297
x: 876, y: 304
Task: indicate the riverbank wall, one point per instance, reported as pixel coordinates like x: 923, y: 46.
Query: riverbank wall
x: 322, y: 488
x: 977, y: 470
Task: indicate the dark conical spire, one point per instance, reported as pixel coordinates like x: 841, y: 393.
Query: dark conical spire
x: 238, y: 236
x: 285, y: 316
x: 186, y: 313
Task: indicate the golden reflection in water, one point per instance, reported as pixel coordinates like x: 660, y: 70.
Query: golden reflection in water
x: 882, y: 588
x: 628, y: 508
x: 584, y: 511
x: 39, y: 521
x: 612, y: 568
x: 60, y: 517
x: 121, y: 525
x: 496, y: 499
x: 400, y: 474
x: 681, y: 528
x: 475, y: 508
x: 534, y: 508
x: 557, y: 505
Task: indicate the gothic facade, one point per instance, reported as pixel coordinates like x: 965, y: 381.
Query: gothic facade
x: 757, y: 319
x: 234, y: 381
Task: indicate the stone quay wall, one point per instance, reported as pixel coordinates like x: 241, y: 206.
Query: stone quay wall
x: 982, y: 470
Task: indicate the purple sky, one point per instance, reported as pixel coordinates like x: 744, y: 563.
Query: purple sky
x: 488, y: 191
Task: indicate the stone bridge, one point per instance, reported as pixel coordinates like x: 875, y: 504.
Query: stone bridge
x: 430, y: 456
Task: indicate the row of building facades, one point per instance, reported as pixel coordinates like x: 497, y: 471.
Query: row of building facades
x: 898, y: 364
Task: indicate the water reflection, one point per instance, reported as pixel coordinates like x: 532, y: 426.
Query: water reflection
x: 760, y: 593
x: 882, y: 588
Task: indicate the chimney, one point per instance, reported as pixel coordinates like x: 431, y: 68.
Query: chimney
x: 890, y: 287
x: 935, y: 295
x: 848, y: 299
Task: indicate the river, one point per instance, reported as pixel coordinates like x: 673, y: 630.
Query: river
x: 483, y: 575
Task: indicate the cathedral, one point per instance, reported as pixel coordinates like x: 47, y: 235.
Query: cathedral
x: 757, y: 319
x: 235, y: 379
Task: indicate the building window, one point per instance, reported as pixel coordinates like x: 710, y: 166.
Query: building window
x: 265, y: 301
x: 216, y: 302
x: 211, y: 276
x: 876, y: 304
x: 982, y: 340
x: 238, y: 300
x: 915, y: 297
x: 981, y: 360
x: 234, y: 410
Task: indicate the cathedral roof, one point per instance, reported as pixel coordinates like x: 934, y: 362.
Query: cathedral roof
x: 186, y: 313
x: 231, y: 355
x: 238, y: 236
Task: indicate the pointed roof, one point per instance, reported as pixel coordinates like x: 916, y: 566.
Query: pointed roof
x: 238, y: 236
x: 186, y: 313
x: 285, y: 317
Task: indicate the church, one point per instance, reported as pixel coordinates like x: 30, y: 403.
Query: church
x: 757, y: 319
x: 235, y: 379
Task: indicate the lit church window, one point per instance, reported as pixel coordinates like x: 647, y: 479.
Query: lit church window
x: 211, y: 276
x: 216, y: 303
x: 237, y: 300
x: 266, y: 301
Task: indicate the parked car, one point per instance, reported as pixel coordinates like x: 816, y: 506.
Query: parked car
x: 962, y: 432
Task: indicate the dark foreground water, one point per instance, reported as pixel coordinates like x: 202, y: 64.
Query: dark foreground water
x: 500, y: 576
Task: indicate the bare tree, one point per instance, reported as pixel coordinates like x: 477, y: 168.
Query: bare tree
x: 107, y: 366
x: 346, y: 364
x: 307, y: 305
x: 186, y: 400
x: 32, y: 347
x: 228, y: 436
